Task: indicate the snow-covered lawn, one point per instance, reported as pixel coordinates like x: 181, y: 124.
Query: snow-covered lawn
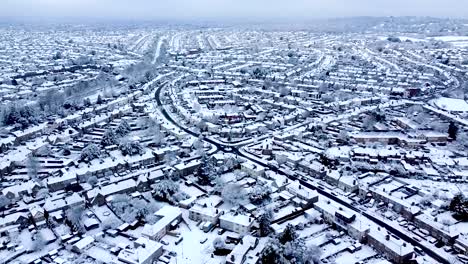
x: 351, y: 258
x: 190, y: 250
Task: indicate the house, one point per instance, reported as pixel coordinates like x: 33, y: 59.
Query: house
x: 447, y: 234
x: 59, y: 183
x: 253, y: 169
x: 98, y: 195
x: 307, y: 195
x: 90, y: 223
x: 187, y: 168
x: 37, y: 213
x: 144, y: 251
x: 236, y: 222
x: 18, y: 191
x: 83, y: 244
x: 333, y: 213
x: 155, y: 175
x: 53, y: 204
x: 168, y: 215
x: 18, y: 218
x: 397, y: 251
x: 204, y: 213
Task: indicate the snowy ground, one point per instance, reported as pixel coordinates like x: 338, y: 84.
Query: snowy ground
x: 458, y: 41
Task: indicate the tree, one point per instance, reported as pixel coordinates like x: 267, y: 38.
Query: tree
x: 218, y: 243
x: 459, y: 206
x: 58, y: 55
x: 164, y: 190
x: 264, y: 222
x: 74, y: 215
x: 273, y: 253
x: 453, y: 130
x: 90, y: 152
x: 283, y: 90
x: 131, y: 148
x: 289, y: 234
x: 393, y: 39
x: 93, y: 180
x: 42, y: 193
x: 369, y: 122
x: 463, y: 140
x: 259, y: 193
x: 281, y: 159
x: 33, y: 167
x: 207, y: 171
x: 343, y: 136
x: 123, y: 129
x: 129, y: 209
x: 109, y: 138
x: 99, y: 100
x: 313, y: 254
x: 87, y: 102
x: 4, y: 201
x: 233, y: 193
x: 38, y: 242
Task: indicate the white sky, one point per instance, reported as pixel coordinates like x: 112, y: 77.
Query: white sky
x: 212, y: 9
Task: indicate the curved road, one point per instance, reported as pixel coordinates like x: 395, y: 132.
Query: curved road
x: 236, y: 151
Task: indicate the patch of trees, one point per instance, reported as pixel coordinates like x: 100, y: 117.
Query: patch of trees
x: 109, y: 138
x: 90, y: 152
x: 52, y: 102
x: 289, y: 248
x: 74, y: 216
x: 131, y: 148
x: 233, y: 193
x: 259, y: 194
x: 459, y: 206
x: 103, y: 80
x: 112, y: 137
x: 21, y: 115
x: 140, y: 73
x: 207, y: 171
x: 393, y: 39
x: 123, y: 129
x: 259, y: 73
x: 168, y: 191
x: 129, y: 209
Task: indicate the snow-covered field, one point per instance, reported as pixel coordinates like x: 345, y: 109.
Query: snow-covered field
x: 458, y: 41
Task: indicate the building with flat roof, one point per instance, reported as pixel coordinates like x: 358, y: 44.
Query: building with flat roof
x: 167, y: 215
x: 144, y: 251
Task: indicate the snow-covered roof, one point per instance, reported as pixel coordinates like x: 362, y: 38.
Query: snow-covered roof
x: 83, y: 243
x: 144, y: 252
